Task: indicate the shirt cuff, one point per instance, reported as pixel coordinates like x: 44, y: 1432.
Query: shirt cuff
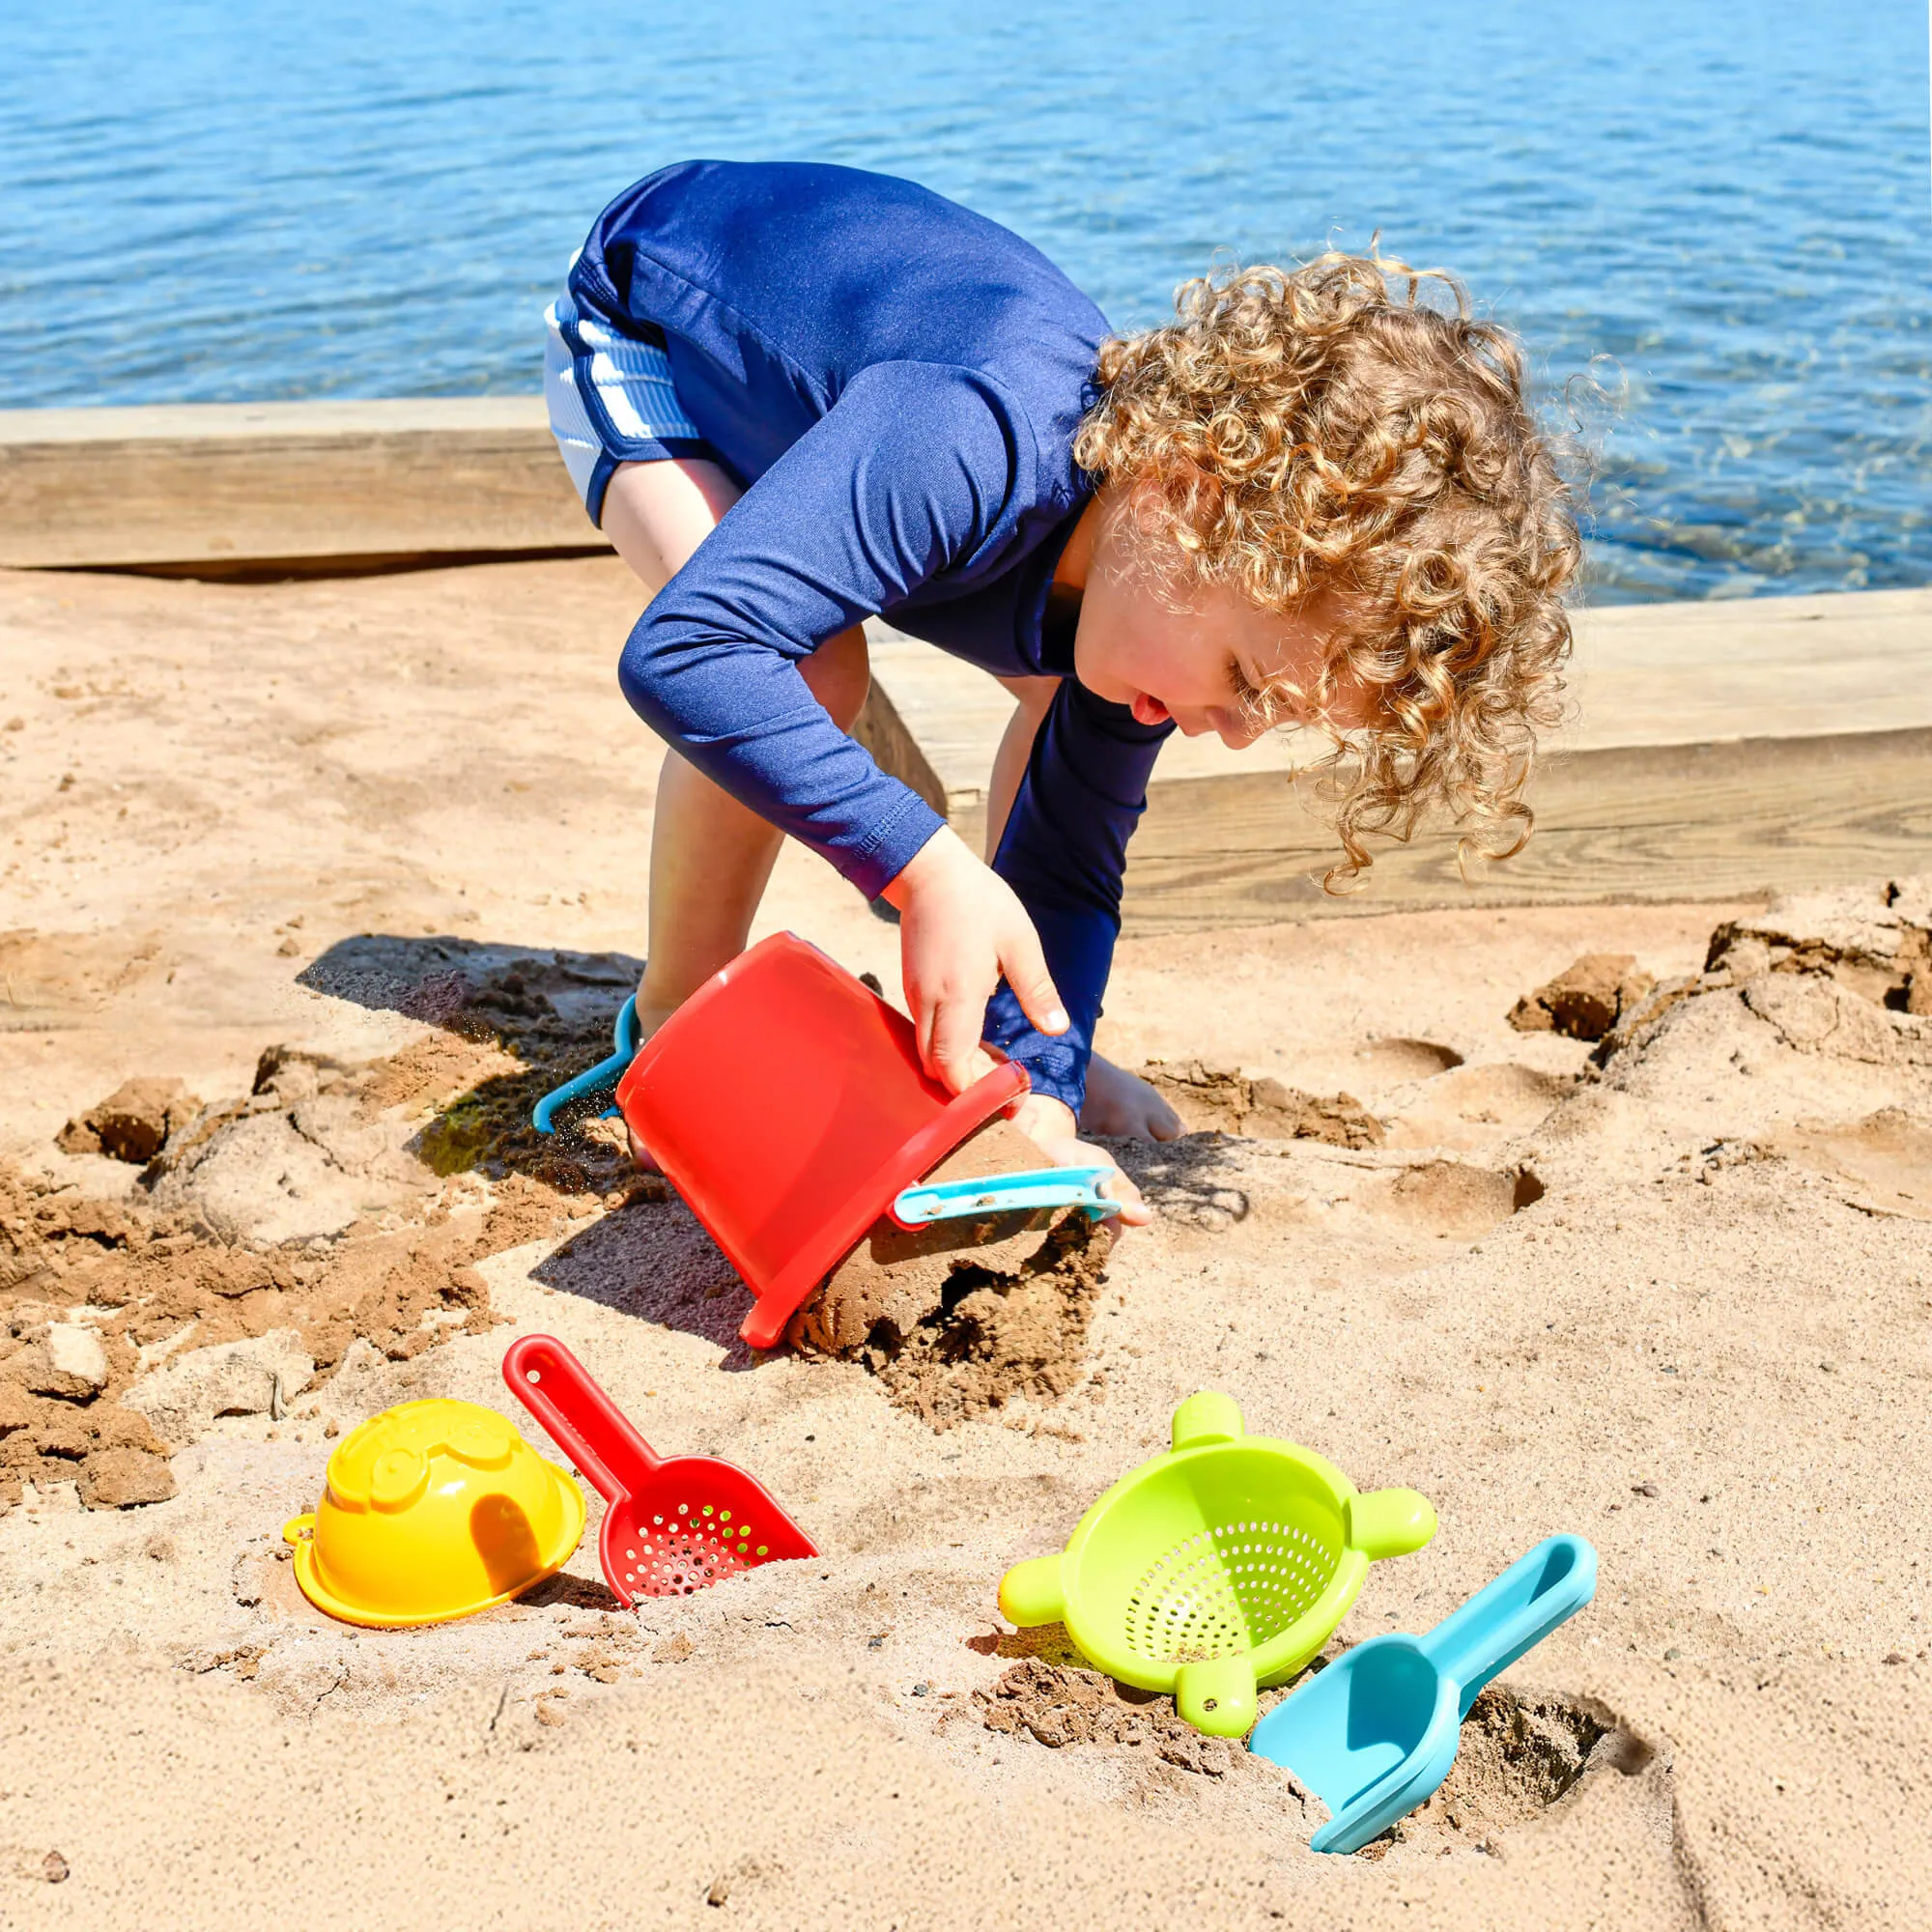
x: 1056, y: 1064
x: 898, y: 841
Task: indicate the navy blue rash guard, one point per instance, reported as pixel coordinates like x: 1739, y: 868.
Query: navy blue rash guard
x: 897, y: 382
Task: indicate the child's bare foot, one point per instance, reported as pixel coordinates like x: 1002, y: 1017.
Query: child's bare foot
x: 1121, y: 1103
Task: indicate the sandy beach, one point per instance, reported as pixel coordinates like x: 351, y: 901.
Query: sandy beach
x: 360, y: 866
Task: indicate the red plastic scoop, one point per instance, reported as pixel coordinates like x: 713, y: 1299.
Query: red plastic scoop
x: 676, y: 1523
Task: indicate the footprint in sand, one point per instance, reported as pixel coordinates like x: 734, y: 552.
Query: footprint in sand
x: 1393, y: 1059
x: 1471, y: 1107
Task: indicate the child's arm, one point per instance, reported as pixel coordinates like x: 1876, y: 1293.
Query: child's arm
x: 910, y: 471
x: 1064, y: 853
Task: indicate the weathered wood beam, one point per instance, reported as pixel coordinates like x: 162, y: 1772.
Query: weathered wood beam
x: 1715, y: 751
x: 219, y: 485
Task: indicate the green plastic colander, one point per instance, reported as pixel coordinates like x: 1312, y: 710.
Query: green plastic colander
x: 1218, y: 1567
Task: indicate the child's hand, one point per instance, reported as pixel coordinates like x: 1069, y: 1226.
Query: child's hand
x: 1049, y: 1124
x: 961, y: 928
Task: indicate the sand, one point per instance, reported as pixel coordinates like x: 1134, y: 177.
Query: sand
x: 1670, y: 1290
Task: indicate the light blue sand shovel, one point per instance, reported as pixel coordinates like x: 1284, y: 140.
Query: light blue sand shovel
x: 1374, y: 1734
x: 602, y: 1078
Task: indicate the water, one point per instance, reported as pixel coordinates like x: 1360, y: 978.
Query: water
x: 1715, y: 213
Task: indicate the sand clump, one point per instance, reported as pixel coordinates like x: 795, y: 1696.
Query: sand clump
x: 999, y: 1335
x: 1802, y: 1019
x: 1210, y: 1097
x: 263, y: 1237
x: 1847, y: 974
x: 132, y: 1123
x: 1060, y: 1705
x: 964, y: 1316
x: 1586, y: 999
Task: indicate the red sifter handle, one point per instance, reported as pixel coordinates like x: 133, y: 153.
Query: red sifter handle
x: 579, y: 1418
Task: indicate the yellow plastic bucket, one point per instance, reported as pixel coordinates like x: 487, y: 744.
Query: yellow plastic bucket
x: 433, y: 1510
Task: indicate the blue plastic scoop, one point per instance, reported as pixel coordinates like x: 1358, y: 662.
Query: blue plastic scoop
x: 1375, y: 1733
x: 602, y: 1078
x: 930, y: 1201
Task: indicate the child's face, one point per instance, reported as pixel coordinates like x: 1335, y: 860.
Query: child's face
x: 1197, y: 663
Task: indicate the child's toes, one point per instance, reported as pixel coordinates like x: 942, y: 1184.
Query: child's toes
x: 1163, y: 1123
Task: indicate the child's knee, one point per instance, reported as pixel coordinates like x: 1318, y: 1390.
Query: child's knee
x: 839, y: 673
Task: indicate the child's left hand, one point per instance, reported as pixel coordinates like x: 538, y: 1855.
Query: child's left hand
x: 1049, y: 1124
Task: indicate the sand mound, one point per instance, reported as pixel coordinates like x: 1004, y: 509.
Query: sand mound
x: 1211, y: 1098
x: 265, y: 1236
x: 997, y: 1335
x: 1062, y: 1705
x: 1521, y: 1753
x: 1828, y: 978
x: 1586, y: 999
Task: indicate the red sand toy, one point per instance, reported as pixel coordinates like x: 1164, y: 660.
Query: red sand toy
x: 786, y: 1102
x: 676, y: 1523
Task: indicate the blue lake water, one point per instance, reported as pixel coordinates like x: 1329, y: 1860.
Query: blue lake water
x: 1709, y: 221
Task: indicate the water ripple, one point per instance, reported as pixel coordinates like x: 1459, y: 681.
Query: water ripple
x: 1716, y: 214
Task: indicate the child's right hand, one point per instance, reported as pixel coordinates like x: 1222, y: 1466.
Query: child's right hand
x: 962, y: 928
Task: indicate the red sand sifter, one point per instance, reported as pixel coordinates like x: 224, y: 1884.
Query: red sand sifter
x: 676, y: 1523
x: 786, y: 1102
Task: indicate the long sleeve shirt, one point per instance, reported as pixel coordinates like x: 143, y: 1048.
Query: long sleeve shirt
x: 896, y: 382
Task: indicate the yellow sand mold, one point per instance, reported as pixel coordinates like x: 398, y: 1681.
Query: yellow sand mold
x: 433, y: 1510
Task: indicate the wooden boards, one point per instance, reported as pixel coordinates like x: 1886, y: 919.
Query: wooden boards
x: 225, y: 485
x: 1715, y: 751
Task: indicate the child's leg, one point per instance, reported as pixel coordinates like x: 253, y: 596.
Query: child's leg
x: 1118, y: 1102
x: 710, y: 856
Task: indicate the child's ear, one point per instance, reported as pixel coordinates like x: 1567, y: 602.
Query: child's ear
x: 1183, y: 503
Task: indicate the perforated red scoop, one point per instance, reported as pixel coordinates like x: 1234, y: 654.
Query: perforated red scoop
x: 674, y: 1523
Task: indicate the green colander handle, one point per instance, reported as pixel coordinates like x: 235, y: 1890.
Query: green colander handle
x: 1389, y: 1522
x: 1217, y: 1696
x: 1033, y: 1593
x: 1207, y: 1418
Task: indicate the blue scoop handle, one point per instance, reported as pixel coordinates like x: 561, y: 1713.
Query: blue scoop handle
x: 930, y: 1201
x: 600, y: 1079
x: 1511, y: 1614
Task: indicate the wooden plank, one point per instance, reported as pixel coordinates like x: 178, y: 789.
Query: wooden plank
x: 222, y: 484
x: 1760, y: 666
x: 1752, y: 818
x: 1713, y: 750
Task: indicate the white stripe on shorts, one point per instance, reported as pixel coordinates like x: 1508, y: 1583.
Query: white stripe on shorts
x: 632, y: 381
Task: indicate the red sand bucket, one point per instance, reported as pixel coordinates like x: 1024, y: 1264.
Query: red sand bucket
x: 786, y: 1102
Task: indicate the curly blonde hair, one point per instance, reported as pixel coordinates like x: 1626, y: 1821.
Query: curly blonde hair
x: 1294, y: 435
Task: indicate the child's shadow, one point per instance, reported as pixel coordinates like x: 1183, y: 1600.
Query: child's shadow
x: 651, y: 1260
x: 469, y: 986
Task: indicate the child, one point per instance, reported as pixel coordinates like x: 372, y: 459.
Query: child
x: 795, y: 396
